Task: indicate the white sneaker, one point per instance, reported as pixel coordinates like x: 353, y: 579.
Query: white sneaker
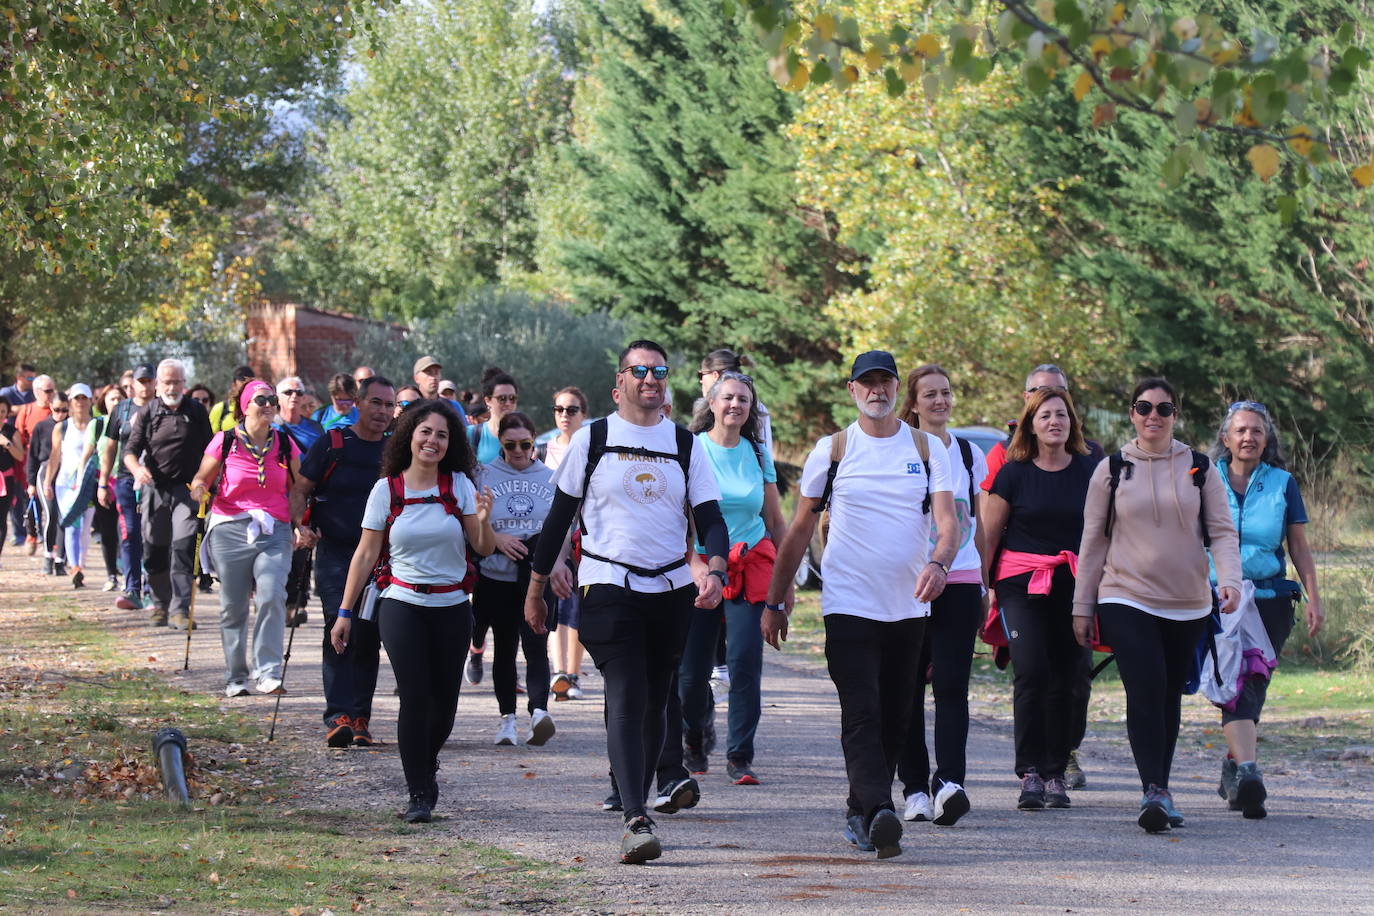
x: 505, y: 733
x: 270, y: 685
x: 720, y: 681
x: 574, y: 692
x: 236, y: 689
x: 951, y: 803
x: 918, y: 807
x: 541, y: 727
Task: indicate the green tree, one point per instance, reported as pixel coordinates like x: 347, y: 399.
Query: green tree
x: 689, y: 185
x: 423, y: 190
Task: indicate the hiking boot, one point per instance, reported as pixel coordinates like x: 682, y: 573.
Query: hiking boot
x: 951, y: 803
x: 918, y: 807
x: 1154, y: 817
x: 181, y: 622
x: 419, y: 811
x: 884, y: 832
x: 158, y: 616
x: 340, y: 733
x: 78, y: 579
x: 1056, y: 793
x: 740, y: 773
x: 693, y: 757
x: 362, y: 736
x: 129, y: 601
x: 559, y: 686
x: 855, y: 833
x: 638, y: 844
x: 1175, y: 816
x: 541, y: 727
x: 677, y: 796
x: 612, y: 802
x: 505, y: 732
x: 1032, y: 797
x: 111, y: 584
x: 1250, y: 791
x: 472, y: 671
x: 1074, y: 777
x: 574, y: 691
x: 1229, y: 783
x: 432, y: 790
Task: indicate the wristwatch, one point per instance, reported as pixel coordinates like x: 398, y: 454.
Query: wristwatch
x: 779, y: 608
x: 943, y: 568
x: 720, y: 574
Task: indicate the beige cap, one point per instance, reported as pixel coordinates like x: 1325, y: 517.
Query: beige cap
x: 424, y: 363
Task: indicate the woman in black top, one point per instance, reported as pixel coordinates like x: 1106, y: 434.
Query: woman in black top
x: 10, y: 452
x: 1033, y: 517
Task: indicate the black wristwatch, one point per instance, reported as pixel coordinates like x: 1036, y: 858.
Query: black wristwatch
x: 779, y: 608
x: 943, y: 568
x: 720, y: 574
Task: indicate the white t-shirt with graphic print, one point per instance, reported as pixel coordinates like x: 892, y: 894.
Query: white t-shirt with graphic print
x: 879, y: 540
x: 636, y: 511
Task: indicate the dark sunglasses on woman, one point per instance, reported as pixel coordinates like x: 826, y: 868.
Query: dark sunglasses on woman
x: 523, y: 445
x: 571, y: 410
x: 1165, y: 409
x: 265, y: 400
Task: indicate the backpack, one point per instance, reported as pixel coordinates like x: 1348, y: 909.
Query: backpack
x: 966, y: 452
x: 381, y: 572
x: 597, y: 448
x: 839, y: 442
x: 336, y: 445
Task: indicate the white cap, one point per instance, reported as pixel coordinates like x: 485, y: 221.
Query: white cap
x: 80, y: 388
x: 447, y: 384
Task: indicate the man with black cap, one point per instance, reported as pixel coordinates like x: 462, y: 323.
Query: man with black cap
x: 883, y: 482
x: 119, y: 490
x: 163, y: 453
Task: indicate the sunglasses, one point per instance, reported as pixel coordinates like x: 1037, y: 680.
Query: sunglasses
x: 60, y: 410
x: 571, y: 410
x: 702, y: 373
x: 1143, y: 408
x: 343, y: 400
x: 404, y: 404
x: 640, y: 372
x: 524, y: 445
x: 292, y: 393
x: 506, y: 398
x: 265, y: 400
x: 1256, y: 406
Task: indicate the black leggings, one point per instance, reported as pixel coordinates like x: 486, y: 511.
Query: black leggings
x: 1046, y: 660
x: 426, y: 646
x: 947, y: 656
x: 106, y: 524
x: 503, y: 605
x: 1155, y: 657
x: 6, y: 502
x: 636, y: 640
x: 1277, y: 615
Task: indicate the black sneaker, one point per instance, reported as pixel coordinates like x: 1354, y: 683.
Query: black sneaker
x: 612, y: 802
x: 1250, y: 791
x: 1032, y: 797
x: 432, y: 790
x: 638, y: 844
x: 885, y: 833
x: 740, y: 773
x: 677, y: 796
x: 59, y: 568
x: 1056, y: 793
x: 472, y: 671
x: 855, y: 833
x: 419, y: 811
x: 694, y: 758
x: 1154, y: 816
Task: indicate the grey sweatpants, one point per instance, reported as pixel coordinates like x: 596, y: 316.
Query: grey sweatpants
x: 247, y: 572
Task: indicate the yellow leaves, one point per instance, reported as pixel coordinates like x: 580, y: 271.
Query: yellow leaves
x: 1227, y: 52
x: 1083, y: 85
x: 182, y: 65
x: 1204, y: 111
x: 1301, y: 142
x: 1264, y: 159
x: 1364, y: 175
x: 1101, y: 47
x: 1118, y: 14
x: 800, y: 77
x: 824, y: 25
x: 911, y: 72
x: 873, y: 59
x: 928, y: 46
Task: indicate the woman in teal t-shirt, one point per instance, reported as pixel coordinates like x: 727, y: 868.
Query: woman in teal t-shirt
x: 728, y: 429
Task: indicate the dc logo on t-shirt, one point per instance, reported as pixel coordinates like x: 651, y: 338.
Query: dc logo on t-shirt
x: 519, y: 506
x: 645, y: 483
x: 913, y: 467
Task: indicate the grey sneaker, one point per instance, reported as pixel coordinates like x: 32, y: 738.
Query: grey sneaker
x: 638, y: 844
x: 855, y: 833
x: 1227, y: 788
x: 1056, y: 793
x: 1032, y: 797
x: 1073, y: 772
x: 1250, y: 791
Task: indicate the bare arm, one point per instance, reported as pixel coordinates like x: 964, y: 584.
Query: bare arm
x: 931, y: 580
x: 300, y: 498
x: 359, y: 570
x: 781, y: 589
x: 55, y: 459
x: 477, y: 527
x: 773, y: 519
x: 992, y: 523
x: 1301, y: 552
x: 979, y: 535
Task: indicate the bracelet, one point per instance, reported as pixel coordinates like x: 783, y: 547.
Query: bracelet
x: 345, y: 613
x: 779, y: 608
x: 943, y: 568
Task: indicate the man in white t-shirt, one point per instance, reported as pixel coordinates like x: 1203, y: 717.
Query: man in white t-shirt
x: 637, y: 590
x: 878, y: 577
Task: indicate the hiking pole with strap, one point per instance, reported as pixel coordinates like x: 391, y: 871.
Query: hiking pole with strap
x: 195, y: 574
x: 285, y: 660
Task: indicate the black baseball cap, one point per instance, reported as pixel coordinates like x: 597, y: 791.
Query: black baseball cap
x: 145, y: 371
x: 873, y: 359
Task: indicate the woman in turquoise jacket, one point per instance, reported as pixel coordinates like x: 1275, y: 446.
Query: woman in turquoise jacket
x: 1268, y: 511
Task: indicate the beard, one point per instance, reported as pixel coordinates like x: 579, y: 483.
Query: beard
x: 874, y: 410
x: 172, y: 400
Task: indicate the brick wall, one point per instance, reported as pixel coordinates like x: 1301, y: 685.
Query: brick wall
x: 285, y: 338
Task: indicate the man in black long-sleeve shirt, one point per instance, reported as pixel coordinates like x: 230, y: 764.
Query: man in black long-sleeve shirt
x: 169, y: 436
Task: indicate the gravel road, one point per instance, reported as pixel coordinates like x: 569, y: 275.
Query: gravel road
x: 777, y: 847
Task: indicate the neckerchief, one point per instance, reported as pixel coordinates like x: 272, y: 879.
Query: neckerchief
x: 259, y: 454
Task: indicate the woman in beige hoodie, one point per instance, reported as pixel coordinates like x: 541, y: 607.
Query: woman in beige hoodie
x: 1147, y: 582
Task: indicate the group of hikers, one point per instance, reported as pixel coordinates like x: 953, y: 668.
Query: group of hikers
x: 662, y: 551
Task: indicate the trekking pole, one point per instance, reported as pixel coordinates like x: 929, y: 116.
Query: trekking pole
x: 195, y: 574
x: 285, y: 660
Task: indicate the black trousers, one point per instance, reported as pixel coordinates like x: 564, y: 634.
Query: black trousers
x: 636, y: 640
x: 1155, y: 657
x: 106, y: 524
x: 1047, y: 662
x: 426, y: 646
x: 503, y: 605
x: 946, y: 659
x: 871, y: 663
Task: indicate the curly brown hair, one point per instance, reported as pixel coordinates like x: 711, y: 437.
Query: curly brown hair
x: 1024, y: 446
x: 458, y: 458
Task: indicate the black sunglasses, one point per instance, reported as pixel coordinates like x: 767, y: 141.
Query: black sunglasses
x: 639, y: 372
x: 571, y: 409
x: 292, y: 393
x: 1143, y: 408
x: 265, y: 400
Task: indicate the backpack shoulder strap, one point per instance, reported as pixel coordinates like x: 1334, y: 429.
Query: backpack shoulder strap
x: 838, y: 443
x: 1201, y: 463
x: 685, y: 442
x: 446, y: 497
x: 966, y: 451
x: 1116, y: 464
x: 596, y: 447
x: 230, y: 436
x: 397, y: 487
x: 923, y: 449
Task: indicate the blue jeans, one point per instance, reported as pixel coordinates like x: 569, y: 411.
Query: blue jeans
x: 350, y: 677
x: 744, y: 658
x: 130, y: 534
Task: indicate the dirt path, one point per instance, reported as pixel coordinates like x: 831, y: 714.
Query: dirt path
x: 777, y: 847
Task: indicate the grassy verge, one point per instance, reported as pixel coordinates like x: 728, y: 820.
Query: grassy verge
x: 83, y: 826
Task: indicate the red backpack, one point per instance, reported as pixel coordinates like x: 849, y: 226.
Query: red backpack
x: 381, y: 573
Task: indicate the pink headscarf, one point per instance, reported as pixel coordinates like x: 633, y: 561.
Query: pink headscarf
x: 252, y: 390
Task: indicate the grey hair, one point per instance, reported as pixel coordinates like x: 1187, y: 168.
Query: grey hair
x: 704, y: 418
x: 170, y: 363
x: 1273, y: 451
x: 1047, y: 367
x: 287, y: 383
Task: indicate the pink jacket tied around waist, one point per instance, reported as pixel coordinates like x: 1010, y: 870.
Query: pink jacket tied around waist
x: 1041, y: 567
